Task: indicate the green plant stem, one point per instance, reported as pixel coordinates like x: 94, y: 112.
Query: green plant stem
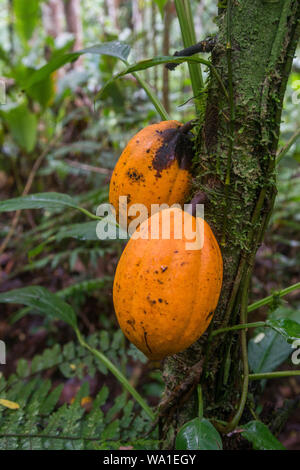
x: 200, y: 402
x: 268, y: 300
x: 153, y: 97
x: 274, y: 375
x: 185, y: 17
x: 89, y: 214
x: 238, y: 327
x: 243, y: 316
x: 96, y: 217
x: 119, y: 376
x: 282, y: 153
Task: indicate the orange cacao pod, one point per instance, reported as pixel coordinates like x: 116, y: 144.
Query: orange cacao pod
x: 153, y: 168
x: 164, y: 292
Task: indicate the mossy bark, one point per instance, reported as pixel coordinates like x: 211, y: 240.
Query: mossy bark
x: 263, y: 36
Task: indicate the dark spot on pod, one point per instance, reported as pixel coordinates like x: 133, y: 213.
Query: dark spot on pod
x: 165, y: 155
x: 160, y: 300
x: 176, y: 144
x: 209, y: 315
x: 134, y: 175
x: 146, y: 341
x: 152, y: 302
x: 131, y: 323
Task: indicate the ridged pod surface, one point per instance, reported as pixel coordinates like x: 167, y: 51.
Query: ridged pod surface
x: 165, y: 294
x: 153, y: 168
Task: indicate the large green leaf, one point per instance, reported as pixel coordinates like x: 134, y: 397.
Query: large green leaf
x: 260, y: 436
x: 22, y: 124
x: 26, y: 14
x: 38, y: 201
x: 198, y: 434
x: 113, y: 48
x: 43, y: 92
x: 117, y: 49
x: 43, y: 301
x: 268, y: 349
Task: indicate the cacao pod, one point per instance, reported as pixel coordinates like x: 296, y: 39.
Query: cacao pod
x: 165, y: 293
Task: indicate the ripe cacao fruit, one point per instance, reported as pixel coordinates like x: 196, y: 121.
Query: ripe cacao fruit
x: 164, y: 292
x: 153, y: 168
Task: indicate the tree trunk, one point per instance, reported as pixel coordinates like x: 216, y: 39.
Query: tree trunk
x: 112, y: 7
x: 53, y: 14
x: 53, y: 17
x: 236, y: 149
x: 74, y: 26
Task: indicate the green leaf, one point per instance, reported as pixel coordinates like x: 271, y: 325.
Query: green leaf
x: 51, y: 400
x: 44, y: 72
x: 40, y: 299
x: 4, y: 55
x: 260, y: 436
x: 23, y: 368
x: 38, y: 201
x: 161, y: 5
x: 113, y: 48
x: 26, y: 14
x: 198, y: 434
x: 43, y: 92
x: 268, y: 349
x: 84, y: 231
x: 22, y: 124
x: 287, y: 328
x: 118, y: 49
x: 148, y: 63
